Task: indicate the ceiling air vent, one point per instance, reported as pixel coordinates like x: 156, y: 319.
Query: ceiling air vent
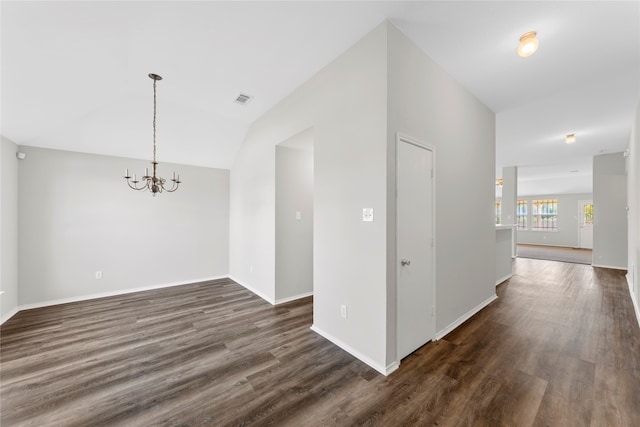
x: 243, y: 99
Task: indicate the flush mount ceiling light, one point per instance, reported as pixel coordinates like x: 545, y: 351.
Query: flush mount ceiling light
x: 570, y: 139
x: 528, y: 44
x: 153, y: 183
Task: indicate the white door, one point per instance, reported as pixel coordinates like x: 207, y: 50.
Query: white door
x: 586, y: 224
x: 415, y: 251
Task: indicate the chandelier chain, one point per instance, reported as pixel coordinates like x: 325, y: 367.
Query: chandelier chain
x: 154, y: 122
x: 153, y: 182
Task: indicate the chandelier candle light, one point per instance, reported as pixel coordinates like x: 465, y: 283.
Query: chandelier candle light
x: 153, y: 183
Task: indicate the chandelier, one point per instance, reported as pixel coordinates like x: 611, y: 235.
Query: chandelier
x: 153, y: 183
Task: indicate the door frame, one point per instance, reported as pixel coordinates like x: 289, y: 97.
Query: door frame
x: 406, y: 139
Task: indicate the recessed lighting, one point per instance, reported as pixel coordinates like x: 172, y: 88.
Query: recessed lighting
x: 570, y: 139
x: 528, y: 44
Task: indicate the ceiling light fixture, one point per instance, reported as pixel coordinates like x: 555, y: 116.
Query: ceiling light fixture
x: 528, y: 44
x: 153, y: 183
x: 570, y: 139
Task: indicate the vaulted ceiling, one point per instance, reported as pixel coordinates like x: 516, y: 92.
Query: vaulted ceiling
x: 74, y: 74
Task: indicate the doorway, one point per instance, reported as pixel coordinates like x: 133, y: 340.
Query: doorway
x: 415, y: 245
x: 586, y: 224
x: 294, y: 217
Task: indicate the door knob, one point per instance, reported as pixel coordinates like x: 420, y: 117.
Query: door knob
x: 405, y: 262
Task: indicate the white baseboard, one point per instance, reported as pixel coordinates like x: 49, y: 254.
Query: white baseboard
x: 293, y: 298
x: 268, y: 299
x: 113, y: 293
x: 382, y: 369
x: 634, y: 300
x: 502, y: 279
x: 460, y: 320
x: 391, y: 368
x: 609, y: 266
x: 9, y: 315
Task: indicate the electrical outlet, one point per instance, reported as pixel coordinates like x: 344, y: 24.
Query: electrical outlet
x: 343, y: 311
x: 367, y: 214
x: 98, y: 275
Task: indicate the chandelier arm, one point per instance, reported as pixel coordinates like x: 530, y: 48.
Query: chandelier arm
x: 135, y: 187
x: 174, y: 187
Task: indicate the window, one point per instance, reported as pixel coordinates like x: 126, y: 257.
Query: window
x: 521, y: 215
x: 544, y: 214
x: 498, y: 212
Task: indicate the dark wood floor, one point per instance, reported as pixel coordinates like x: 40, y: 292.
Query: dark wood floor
x: 560, y: 347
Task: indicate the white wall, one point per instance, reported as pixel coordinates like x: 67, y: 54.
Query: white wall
x: 429, y: 105
x: 8, y: 229
x: 568, y: 232
x: 355, y: 105
x: 609, y: 211
x: 345, y: 104
x: 509, y: 193
x: 633, y: 215
x: 78, y: 216
x: 294, y: 236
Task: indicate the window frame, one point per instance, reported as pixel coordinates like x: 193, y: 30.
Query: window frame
x: 524, y: 224
x: 547, y: 208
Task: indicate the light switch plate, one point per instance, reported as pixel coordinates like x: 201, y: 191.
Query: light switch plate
x: 367, y: 214
x: 298, y: 216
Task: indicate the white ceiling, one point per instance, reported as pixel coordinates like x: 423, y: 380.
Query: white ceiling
x: 74, y: 74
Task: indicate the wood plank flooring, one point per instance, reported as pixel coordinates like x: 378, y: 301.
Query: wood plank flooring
x: 560, y: 347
